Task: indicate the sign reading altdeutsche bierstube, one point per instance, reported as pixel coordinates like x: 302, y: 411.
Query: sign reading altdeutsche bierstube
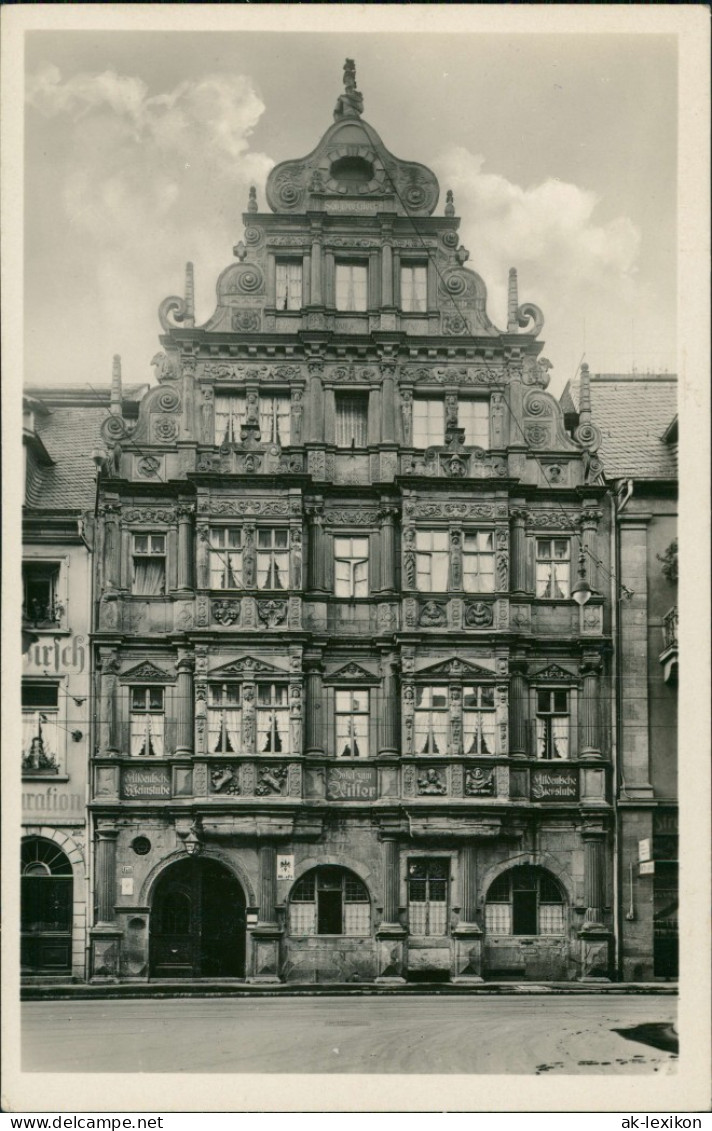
x: 351, y: 783
x: 142, y: 784
x: 554, y: 785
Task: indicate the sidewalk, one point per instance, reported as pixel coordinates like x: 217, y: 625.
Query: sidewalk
x: 231, y: 988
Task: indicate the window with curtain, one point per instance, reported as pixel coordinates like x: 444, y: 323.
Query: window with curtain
x: 432, y: 714
x: 225, y: 557
x: 428, y: 881
x: 149, y: 565
x: 431, y: 560
x: 351, y: 420
x: 230, y: 411
x: 272, y: 718
x: 273, y: 558
x: 147, y: 722
x: 275, y: 419
x: 473, y: 416
x: 525, y: 901
x: 552, y: 724
x: 352, y: 718
x: 40, y: 593
x: 478, y: 720
x: 288, y: 284
x: 478, y: 561
x: 40, y: 728
x: 428, y: 422
x: 414, y: 287
x: 553, y: 568
x: 351, y: 567
x: 351, y: 286
x: 329, y: 901
x: 224, y: 718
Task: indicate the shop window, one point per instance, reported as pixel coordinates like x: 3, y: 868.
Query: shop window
x: 225, y: 557
x: 553, y: 568
x: 272, y: 718
x: 431, y: 560
x: 473, y: 416
x: 273, y: 558
x: 41, y: 605
x: 525, y: 901
x: 552, y: 724
x: 414, y: 287
x: 428, y: 881
x: 40, y: 729
x: 230, y: 412
x: 224, y: 718
x: 352, y: 719
x: 329, y: 901
x: 351, y: 420
x: 428, y: 422
x: 149, y: 565
x: 351, y: 567
x: 147, y: 722
x: 275, y: 420
x: 478, y: 720
x: 478, y: 561
x: 432, y: 714
x: 351, y: 286
x: 288, y: 280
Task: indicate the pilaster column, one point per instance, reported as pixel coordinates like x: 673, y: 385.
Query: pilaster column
x: 184, y: 706
x: 388, y: 402
x: 106, y: 872
x: 468, y: 882
x: 387, y: 271
x: 316, y: 269
x: 594, y: 877
x: 314, y: 709
x: 268, y: 884
x: 391, y: 882
x: 590, y: 706
x: 316, y: 574
x: 315, y: 414
x: 388, y: 740
x: 109, y: 742
x: 111, y: 513
x: 185, y: 545
x: 518, y: 696
x: 187, y: 425
x: 518, y: 560
x: 388, y: 549
x: 588, y: 523
x: 328, y: 285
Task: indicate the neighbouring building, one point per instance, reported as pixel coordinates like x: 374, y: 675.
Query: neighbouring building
x: 353, y: 634
x: 637, y: 415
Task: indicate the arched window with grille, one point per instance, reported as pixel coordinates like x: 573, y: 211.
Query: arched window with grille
x: 46, y: 892
x: 525, y: 901
x: 329, y: 901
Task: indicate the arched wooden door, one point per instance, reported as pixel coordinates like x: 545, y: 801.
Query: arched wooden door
x: 46, y: 908
x: 198, y: 922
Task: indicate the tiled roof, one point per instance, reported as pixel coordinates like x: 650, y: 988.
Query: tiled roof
x: 633, y: 412
x: 69, y: 435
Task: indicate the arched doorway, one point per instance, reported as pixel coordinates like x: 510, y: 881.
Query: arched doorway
x: 526, y: 926
x: 46, y: 892
x: 198, y: 922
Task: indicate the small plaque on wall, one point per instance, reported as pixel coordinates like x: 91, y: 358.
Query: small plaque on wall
x: 145, y: 783
x: 351, y: 783
x: 285, y: 867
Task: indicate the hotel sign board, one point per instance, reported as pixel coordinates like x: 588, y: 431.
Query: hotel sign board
x: 554, y: 785
x: 351, y: 783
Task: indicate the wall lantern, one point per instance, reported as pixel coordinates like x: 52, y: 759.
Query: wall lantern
x: 192, y: 841
x: 581, y: 591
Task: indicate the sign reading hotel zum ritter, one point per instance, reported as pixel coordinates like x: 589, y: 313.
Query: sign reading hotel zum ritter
x: 351, y: 783
x: 145, y: 783
x: 554, y: 785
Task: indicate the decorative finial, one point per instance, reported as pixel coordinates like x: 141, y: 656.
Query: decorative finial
x: 115, y: 405
x: 189, y: 319
x: 462, y: 255
x: 252, y: 202
x: 239, y: 251
x: 350, y: 103
x: 512, y: 302
x: 449, y: 203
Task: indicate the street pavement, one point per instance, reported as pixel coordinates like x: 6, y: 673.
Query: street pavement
x: 527, y: 1035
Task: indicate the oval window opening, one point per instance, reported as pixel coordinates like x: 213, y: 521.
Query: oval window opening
x: 352, y: 171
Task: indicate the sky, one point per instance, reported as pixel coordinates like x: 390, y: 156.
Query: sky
x: 140, y: 147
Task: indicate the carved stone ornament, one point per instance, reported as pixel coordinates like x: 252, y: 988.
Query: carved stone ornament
x: 271, y: 779
x: 146, y: 673
x: 555, y: 673
x: 224, y: 779
x: 432, y: 615
x: 150, y: 515
x: 245, y: 668
x: 246, y: 321
x: 536, y: 435
x: 454, y: 325
x: 272, y: 613
x: 226, y: 612
x: 535, y: 371
x: 431, y: 782
x: 478, y: 614
x: 552, y: 520
x: 479, y: 782
x: 148, y: 466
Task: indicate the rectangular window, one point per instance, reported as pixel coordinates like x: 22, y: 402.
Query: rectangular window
x: 225, y: 557
x: 431, y: 560
x: 552, y: 724
x: 427, y: 896
x: 553, y: 568
x: 428, y: 422
x: 478, y: 561
x: 147, y: 722
x: 351, y: 286
x: 473, y: 416
x: 414, y: 287
x: 272, y: 718
x: 230, y: 412
x: 275, y: 420
x: 352, y: 724
x: 351, y: 420
x: 40, y: 593
x: 288, y: 279
x: 351, y: 567
x: 40, y: 730
x: 149, y: 565
x: 273, y: 558
x: 478, y: 720
x: 224, y: 718
x: 432, y: 713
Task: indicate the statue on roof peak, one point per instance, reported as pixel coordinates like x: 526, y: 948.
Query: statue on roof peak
x: 350, y: 103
